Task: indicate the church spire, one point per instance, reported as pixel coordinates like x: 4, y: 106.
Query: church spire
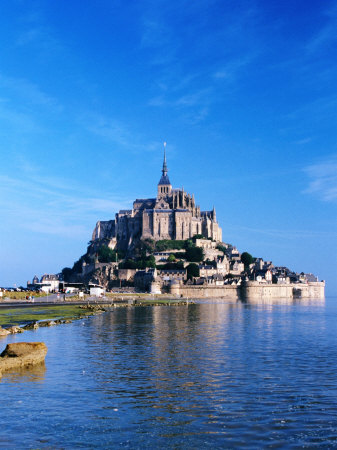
x: 164, y: 185
x: 164, y: 163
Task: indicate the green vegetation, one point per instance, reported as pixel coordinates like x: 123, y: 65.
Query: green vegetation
x: 222, y: 248
x: 194, y: 254
x: 171, y: 258
x: 198, y: 236
x: 192, y: 271
x: 77, y: 267
x: 67, y: 272
x: 247, y: 259
x: 140, y: 263
x: 21, y: 316
x: 22, y: 295
x: 143, y: 248
x: 104, y: 255
x: 107, y: 255
x: 167, y: 244
x: 229, y: 276
x: 171, y: 266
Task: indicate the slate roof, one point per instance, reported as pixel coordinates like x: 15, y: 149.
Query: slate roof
x: 164, y: 180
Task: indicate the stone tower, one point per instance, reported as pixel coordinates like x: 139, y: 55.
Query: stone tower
x: 164, y: 185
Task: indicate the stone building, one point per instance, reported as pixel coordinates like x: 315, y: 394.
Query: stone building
x: 173, y: 214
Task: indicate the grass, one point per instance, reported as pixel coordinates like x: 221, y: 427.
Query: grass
x: 22, y: 295
x: 137, y: 295
x: 22, y: 316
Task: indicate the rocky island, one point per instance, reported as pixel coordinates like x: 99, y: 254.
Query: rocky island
x: 167, y: 244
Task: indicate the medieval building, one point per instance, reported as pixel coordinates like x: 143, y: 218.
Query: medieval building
x: 173, y: 214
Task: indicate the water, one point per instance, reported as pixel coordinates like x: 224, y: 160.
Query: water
x: 209, y: 375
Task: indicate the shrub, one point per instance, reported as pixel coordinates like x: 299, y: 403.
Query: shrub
x: 192, y: 271
x: 247, y: 259
x: 106, y: 254
x: 167, y: 244
x: 194, y: 254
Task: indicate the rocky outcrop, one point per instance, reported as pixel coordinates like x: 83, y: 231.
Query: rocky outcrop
x: 3, y: 332
x: 15, y: 329
x: 48, y: 323
x: 31, y: 326
x: 22, y: 354
x: 103, y: 275
x: 104, y: 229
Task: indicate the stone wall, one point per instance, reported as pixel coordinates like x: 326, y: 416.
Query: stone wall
x: 228, y: 291
x: 255, y: 290
x: 126, y: 274
x: 310, y: 290
x: 252, y: 290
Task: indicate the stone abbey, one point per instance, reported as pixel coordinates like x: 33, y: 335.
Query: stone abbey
x: 173, y: 214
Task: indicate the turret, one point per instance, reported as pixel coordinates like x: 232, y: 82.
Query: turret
x: 214, y: 214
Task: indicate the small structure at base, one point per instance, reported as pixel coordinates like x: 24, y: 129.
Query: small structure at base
x: 22, y: 354
x: 155, y: 287
x: 96, y: 290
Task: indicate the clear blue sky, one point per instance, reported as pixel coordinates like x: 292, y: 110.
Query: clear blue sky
x: 244, y: 93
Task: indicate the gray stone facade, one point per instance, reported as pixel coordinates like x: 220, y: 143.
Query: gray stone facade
x: 173, y: 214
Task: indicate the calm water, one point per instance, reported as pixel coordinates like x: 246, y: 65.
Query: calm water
x: 208, y: 375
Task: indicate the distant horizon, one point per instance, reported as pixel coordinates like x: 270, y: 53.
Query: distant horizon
x: 244, y: 94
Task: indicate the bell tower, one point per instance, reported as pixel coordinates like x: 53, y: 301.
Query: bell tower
x: 164, y: 185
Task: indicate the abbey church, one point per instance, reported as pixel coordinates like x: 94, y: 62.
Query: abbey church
x: 173, y: 214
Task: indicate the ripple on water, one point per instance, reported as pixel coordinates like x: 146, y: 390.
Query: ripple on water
x: 211, y: 374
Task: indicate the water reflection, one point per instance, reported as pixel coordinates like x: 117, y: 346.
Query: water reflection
x: 285, y: 301
x: 34, y: 373
x: 212, y: 374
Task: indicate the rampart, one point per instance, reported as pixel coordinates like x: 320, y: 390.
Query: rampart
x: 252, y: 290
x: 228, y: 291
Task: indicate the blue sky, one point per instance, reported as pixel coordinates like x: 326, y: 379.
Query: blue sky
x: 243, y: 92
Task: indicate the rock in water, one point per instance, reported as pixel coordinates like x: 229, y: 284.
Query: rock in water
x: 31, y: 326
x: 22, y: 354
x: 15, y: 329
x: 4, y: 332
x: 47, y: 323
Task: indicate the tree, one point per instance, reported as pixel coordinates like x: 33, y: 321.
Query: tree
x: 171, y: 266
x: 106, y: 254
x: 194, y: 254
x: 222, y: 248
x: 140, y: 263
x: 66, y: 273
x: 167, y: 244
x: 171, y: 258
x: 77, y: 267
x: 192, y: 271
x: 247, y: 259
x: 150, y: 261
x: 188, y: 244
x: 197, y: 236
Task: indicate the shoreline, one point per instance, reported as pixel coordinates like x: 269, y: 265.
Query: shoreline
x: 34, y: 315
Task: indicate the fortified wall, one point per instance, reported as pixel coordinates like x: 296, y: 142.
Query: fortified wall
x: 252, y: 290
x: 190, y: 291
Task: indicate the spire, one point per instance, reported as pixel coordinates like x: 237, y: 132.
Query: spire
x: 164, y: 163
x: 164, y: 180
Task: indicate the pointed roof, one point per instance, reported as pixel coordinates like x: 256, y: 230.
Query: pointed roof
x: 164, y: 178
